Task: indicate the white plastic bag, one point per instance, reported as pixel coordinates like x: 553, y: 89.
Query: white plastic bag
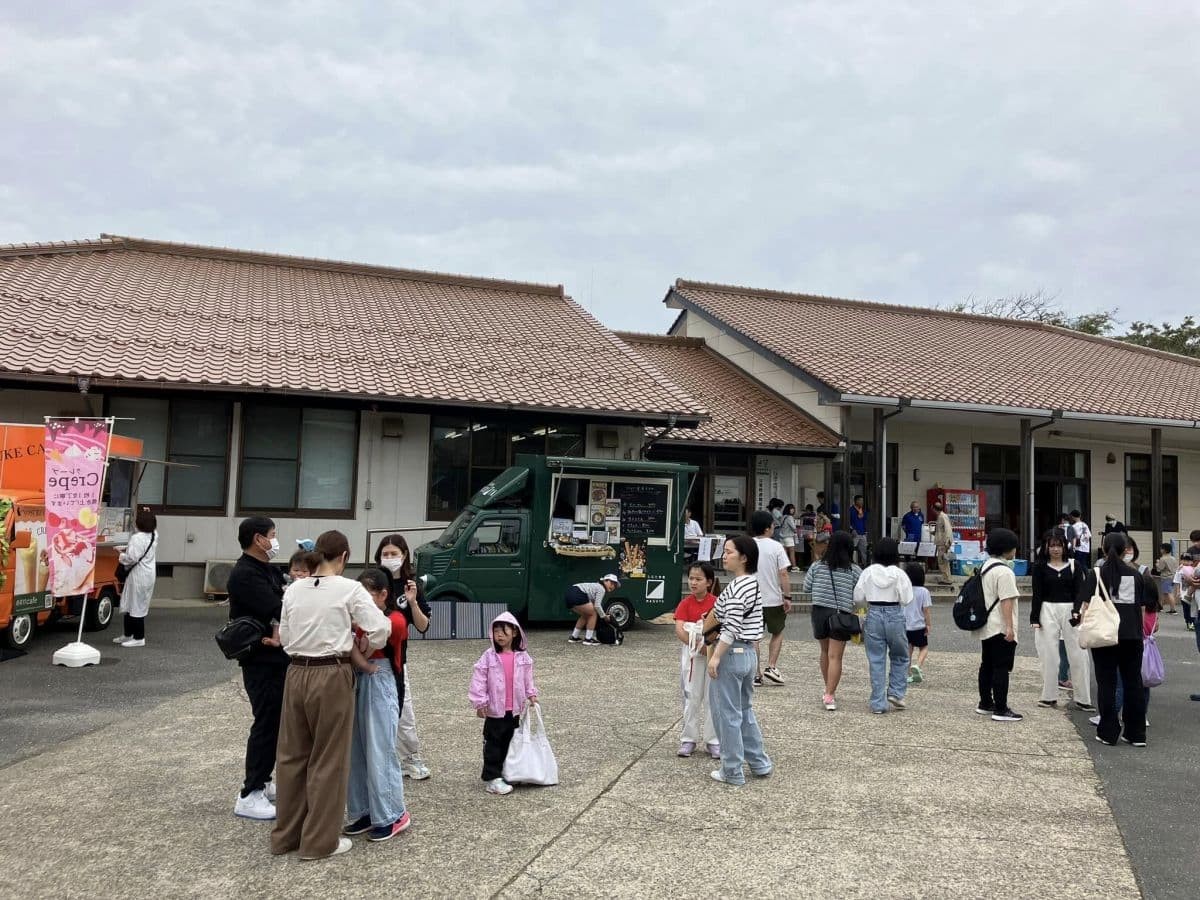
x: 530, y: 759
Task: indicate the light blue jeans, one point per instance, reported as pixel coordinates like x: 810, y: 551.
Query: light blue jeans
x: 729, y: 700
x: 376, y: 780
x: 884, y: 637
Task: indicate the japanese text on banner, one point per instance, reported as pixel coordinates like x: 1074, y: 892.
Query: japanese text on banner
x: 76, y: 453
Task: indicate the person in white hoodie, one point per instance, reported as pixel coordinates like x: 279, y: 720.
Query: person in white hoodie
x: 885, y: 589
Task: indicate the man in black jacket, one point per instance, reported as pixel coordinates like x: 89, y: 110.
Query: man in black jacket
x: 256, y: 590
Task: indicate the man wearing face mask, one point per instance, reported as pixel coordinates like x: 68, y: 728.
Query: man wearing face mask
x: 256, y: 590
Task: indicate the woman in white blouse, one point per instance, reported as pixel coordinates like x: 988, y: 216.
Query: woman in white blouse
x: 139, y: 555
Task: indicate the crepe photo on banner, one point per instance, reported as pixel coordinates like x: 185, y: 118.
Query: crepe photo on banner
x: 76, y: 452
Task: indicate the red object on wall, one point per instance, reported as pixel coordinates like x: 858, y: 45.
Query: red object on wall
x: 966, y: 509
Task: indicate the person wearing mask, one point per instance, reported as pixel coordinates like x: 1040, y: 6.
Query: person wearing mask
x: 1111, y: 524
x: 393, y: 557
x: 1083, y: 539
x: 731, y: 669
x: 913, y: 523
x: 1131, y: 595
x: 256, y: 590
x: 998, y: 636
x: 315, y: 628
x: 831, y: 582
x: 1056, y: 579
x: 943, y: 539
x: 858, y: 524
x: 885, y: 589
x: 774, y: 589
x: 139, y: 554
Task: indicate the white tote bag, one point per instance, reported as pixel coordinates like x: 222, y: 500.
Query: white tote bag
x: 1099, y: 625
x: 530, y: 759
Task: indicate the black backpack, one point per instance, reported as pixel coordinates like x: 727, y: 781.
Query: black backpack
x: 970, y: 608
x: 609, y: 632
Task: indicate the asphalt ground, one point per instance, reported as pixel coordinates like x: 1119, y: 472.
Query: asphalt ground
x: 43, y: 708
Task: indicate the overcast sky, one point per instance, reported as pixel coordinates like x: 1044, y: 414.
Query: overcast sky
x: 912, y: 153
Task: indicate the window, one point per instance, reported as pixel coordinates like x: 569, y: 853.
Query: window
x: 1137, y: 492
x: 298, y: 460
x: 862, y: 474
x: 496, y: 537
x: 465, y: 454
x: 194, y: 432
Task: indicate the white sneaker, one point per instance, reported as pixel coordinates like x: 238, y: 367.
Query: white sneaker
x: 499, y: 786
x: 269, y: 791
x: 343, y: 846
x: 414, y: 768
x: 1094, y: 720
x: 130, y: 642
x: 122, y: 639
x: 254, y: 805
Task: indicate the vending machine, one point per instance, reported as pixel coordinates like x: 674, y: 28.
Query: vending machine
x: 966, y: 510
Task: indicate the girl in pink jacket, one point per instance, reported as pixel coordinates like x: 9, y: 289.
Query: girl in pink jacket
x: 500, y: 685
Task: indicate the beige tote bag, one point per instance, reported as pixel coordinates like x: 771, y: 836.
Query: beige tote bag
x: 1098, y: 627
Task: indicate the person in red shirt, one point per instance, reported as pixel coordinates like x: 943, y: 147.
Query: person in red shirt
x: 375, y: 795
x: 693, y: 675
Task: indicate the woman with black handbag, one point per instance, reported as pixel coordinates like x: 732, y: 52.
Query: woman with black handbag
x: 830, y: 582
x: 139, y: 568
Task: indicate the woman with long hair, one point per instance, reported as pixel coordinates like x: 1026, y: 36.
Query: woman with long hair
x: 313, y: 757
x: 395, y: 559
x: 830, y: 582
x: 1056, y: 580
x: 732, y: 665
x: 1131, y: 594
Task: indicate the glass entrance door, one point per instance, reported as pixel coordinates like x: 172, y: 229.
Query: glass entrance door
x: 729, y: 504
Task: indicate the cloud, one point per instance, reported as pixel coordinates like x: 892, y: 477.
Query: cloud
x: 911, y: 153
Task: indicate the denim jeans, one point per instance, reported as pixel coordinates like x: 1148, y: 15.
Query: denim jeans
x: 376, y: 780
x: 885, y: 637
x: 729, y: 697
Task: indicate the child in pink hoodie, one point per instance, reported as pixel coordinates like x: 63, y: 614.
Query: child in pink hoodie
x: 500, y: 685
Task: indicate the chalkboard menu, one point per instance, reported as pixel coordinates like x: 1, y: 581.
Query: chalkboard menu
x: 644, y: 508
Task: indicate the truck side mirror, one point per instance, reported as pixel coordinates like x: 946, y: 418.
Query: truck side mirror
x: 22, y: 539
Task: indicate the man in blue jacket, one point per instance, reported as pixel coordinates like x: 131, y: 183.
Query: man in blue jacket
x: 913, y: 522
x: 858, y: 522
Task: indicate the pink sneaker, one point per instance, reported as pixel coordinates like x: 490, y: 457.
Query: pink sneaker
x: 830, y: 703
x: 685, y: 749
x: 714, y: 750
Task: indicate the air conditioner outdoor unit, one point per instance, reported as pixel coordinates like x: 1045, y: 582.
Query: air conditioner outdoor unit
x: 216, y: 577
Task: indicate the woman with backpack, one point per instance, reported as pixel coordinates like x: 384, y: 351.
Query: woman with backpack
x: 1056, y: 581
x: 830, y: 581
x: 1130, y: 593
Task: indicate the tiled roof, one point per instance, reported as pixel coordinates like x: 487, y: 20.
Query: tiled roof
x: 872, y: 349
x: 744, y: 412
x: 132, y: 310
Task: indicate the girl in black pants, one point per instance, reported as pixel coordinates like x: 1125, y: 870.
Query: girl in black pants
x: 1131, y: 595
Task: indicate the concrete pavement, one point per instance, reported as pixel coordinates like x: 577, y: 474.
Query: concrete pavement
x: 930, y: 802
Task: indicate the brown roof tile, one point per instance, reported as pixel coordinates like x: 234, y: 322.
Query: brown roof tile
x: 874, y: 349
x: 133, y: 310
x: 747, y: 414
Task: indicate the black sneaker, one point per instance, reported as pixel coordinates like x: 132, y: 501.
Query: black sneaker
x: 362, y: 826
x: 758, y: 681
x: 1006, y: 715
x: 574, y: 640
x: 1048, y: 704
x: 1134, y: 743
x: 984, y: 709
x: 1085, y: 707
x: 591, y: 642
x: 1101, y: 740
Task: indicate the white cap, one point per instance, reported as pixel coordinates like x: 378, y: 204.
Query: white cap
x: 613, y: 578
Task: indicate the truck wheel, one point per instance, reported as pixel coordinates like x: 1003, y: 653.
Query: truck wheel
x: 19, y: 631
x: 621, y: 612
x: 100, y: 613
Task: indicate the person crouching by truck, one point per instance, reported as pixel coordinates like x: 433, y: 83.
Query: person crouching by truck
x: 586, y: 600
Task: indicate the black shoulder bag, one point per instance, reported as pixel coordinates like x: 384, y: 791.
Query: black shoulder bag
x: 122, y: 571
x: 841, y: 622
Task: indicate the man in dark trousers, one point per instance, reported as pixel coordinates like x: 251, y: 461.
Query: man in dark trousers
x: 256, y: 590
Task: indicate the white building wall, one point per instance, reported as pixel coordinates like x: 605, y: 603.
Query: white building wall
x: 752, y: 361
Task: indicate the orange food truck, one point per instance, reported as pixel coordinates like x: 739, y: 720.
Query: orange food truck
x: 27, y: 599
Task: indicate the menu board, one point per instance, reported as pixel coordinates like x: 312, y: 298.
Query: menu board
x: 644, y: 507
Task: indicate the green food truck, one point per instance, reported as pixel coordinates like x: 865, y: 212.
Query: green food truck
x: 546, y: 523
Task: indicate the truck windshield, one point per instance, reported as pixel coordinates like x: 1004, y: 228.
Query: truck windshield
x: 455, y: 529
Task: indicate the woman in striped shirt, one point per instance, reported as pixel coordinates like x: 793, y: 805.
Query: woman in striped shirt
x: 830, y: 582
x: 732, y: 665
